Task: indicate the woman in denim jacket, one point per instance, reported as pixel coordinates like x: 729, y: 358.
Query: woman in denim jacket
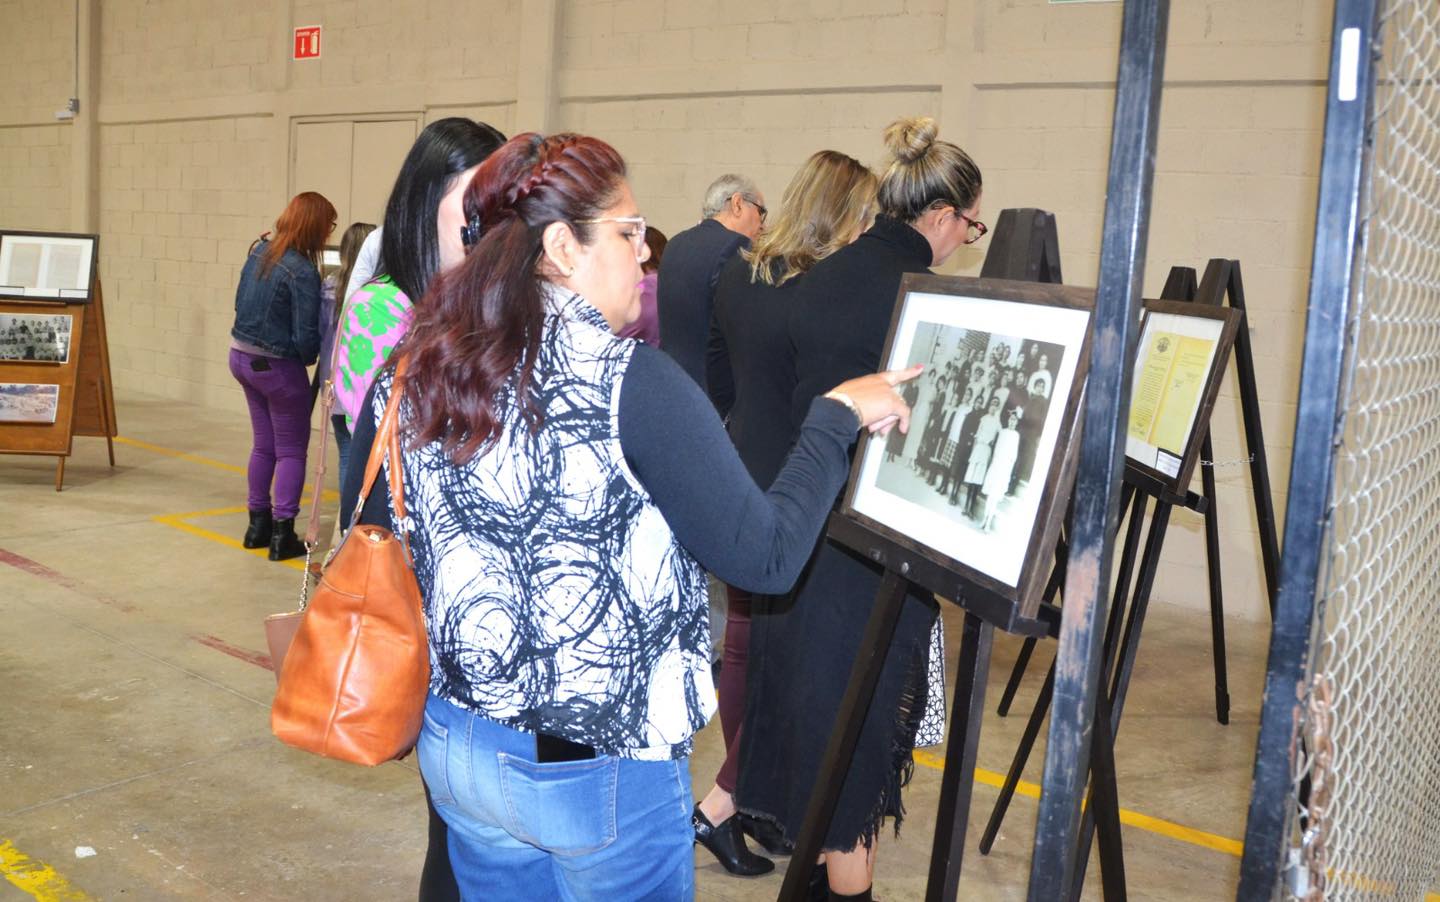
x: 275, y: 336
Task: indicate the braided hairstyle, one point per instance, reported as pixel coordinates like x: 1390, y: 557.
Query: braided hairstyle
x: 475, y: 339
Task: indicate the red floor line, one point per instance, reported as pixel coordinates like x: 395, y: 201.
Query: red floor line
x: 234, y: 651
x: 35, y: 568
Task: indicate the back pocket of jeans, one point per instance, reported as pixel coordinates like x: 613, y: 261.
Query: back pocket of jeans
x: 566, y: 808
x: 433, y: 750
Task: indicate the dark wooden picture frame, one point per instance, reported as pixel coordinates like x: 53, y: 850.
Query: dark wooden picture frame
x: 1053, y: 481
x: 69, y: 296
x: 1228, y: 320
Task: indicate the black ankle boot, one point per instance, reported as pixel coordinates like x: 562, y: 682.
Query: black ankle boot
x: 862, y: 896
x: 727, y: 844
x: 766, y: 834
x: 284, y: 544
x: 258, y: 535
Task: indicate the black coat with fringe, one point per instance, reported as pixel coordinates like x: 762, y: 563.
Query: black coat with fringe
x: 803, y: 645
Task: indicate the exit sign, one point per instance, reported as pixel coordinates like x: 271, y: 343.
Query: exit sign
x: 307, y: 42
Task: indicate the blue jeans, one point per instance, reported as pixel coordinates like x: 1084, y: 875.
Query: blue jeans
x: 599, y: 829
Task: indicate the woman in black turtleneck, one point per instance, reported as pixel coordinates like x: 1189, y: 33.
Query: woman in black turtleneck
x: 802, y: 646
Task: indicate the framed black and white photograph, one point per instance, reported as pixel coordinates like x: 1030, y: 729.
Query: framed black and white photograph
x: 35, y: 337
x: 976, y: 483
x: 23, y: 402
x: 47, y: 265
x: 1179, y: 364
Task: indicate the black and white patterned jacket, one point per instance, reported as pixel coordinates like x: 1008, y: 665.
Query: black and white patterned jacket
x: 557, y: 597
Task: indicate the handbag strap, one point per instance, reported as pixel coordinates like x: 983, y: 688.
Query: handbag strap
x: 327, y: 407
x: 312, y: 531
x: 387, y: 443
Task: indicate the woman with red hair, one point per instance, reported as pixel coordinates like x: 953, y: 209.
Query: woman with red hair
x: 566, y: 490
x: 275, y: 336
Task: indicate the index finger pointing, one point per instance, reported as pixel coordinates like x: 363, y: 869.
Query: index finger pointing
x: 895, y: 377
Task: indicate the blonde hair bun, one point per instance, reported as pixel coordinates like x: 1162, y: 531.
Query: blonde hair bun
x: 910, y: 139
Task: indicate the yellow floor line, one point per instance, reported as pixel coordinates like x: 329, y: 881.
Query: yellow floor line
x: 182, y: 455
x: 1144, y: 822
x: 212, y: 512
x: 174, y: 521
x: 329, y: 494
x: 36, y: 878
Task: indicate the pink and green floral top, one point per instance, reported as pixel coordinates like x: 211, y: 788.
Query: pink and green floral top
x: 376, y: 317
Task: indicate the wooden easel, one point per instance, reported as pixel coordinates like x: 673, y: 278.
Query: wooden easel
x: 1221, y: 283
x: 86, y: 402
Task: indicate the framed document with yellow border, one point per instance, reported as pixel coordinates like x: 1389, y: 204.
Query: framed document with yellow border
x: 1179, y: 363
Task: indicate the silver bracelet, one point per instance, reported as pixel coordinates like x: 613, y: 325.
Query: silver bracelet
x: 849, y: 403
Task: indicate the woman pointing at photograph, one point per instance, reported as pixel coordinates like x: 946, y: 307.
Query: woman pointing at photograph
x: 567, y: 489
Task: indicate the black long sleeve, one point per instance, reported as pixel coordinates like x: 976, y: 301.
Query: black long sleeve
x: 719, y: 375
x: 677, y: 447
x: 753, y: 539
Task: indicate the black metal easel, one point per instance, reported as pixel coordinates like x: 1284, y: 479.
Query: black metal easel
x: 983, y: 613
x: 1221, y: 282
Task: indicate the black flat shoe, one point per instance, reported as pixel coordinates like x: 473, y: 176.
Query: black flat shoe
x: 727, y: 844
x: 766, y: 834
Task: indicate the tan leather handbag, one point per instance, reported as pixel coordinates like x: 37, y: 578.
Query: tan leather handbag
x: 354, y: 680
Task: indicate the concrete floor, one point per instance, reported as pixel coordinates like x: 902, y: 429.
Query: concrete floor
x: 136, y: 719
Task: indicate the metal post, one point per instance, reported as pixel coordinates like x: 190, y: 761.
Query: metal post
x: 1338, y: 244
x: 1097, y: 488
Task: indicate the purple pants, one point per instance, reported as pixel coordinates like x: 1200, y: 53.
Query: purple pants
x: 735, y: 660
x: 278, y: 393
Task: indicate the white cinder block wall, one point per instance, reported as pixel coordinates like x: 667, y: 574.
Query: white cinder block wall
x: 195, y: 101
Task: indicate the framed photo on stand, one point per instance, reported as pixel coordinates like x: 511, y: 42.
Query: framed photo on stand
x: 28, y: 402
x: 1179, y: 364
x: 35, y: 337
x: 979, y: 484
x: 47, y: 266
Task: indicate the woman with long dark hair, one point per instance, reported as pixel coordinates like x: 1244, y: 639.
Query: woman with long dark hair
x: 276, y: 335
x: 803, y: 647
x: 566, y: 490
x: 421, y: 237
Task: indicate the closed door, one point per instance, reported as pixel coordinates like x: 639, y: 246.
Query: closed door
x: 352, y: 162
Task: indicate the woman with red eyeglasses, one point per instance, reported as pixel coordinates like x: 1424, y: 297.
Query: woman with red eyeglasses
x: 803, y: 646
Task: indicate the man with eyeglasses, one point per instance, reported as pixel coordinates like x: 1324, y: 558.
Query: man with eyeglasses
x: 734, y: 212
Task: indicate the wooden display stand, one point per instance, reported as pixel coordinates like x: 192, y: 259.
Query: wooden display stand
x: 86, y: 403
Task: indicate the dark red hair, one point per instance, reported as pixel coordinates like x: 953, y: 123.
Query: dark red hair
x: 481, y: 322
x: 303, y: 227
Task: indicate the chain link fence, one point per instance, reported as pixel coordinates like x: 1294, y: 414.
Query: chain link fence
x: 1367, y: 781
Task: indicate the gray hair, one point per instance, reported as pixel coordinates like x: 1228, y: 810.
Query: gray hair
x: 722, y: 189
